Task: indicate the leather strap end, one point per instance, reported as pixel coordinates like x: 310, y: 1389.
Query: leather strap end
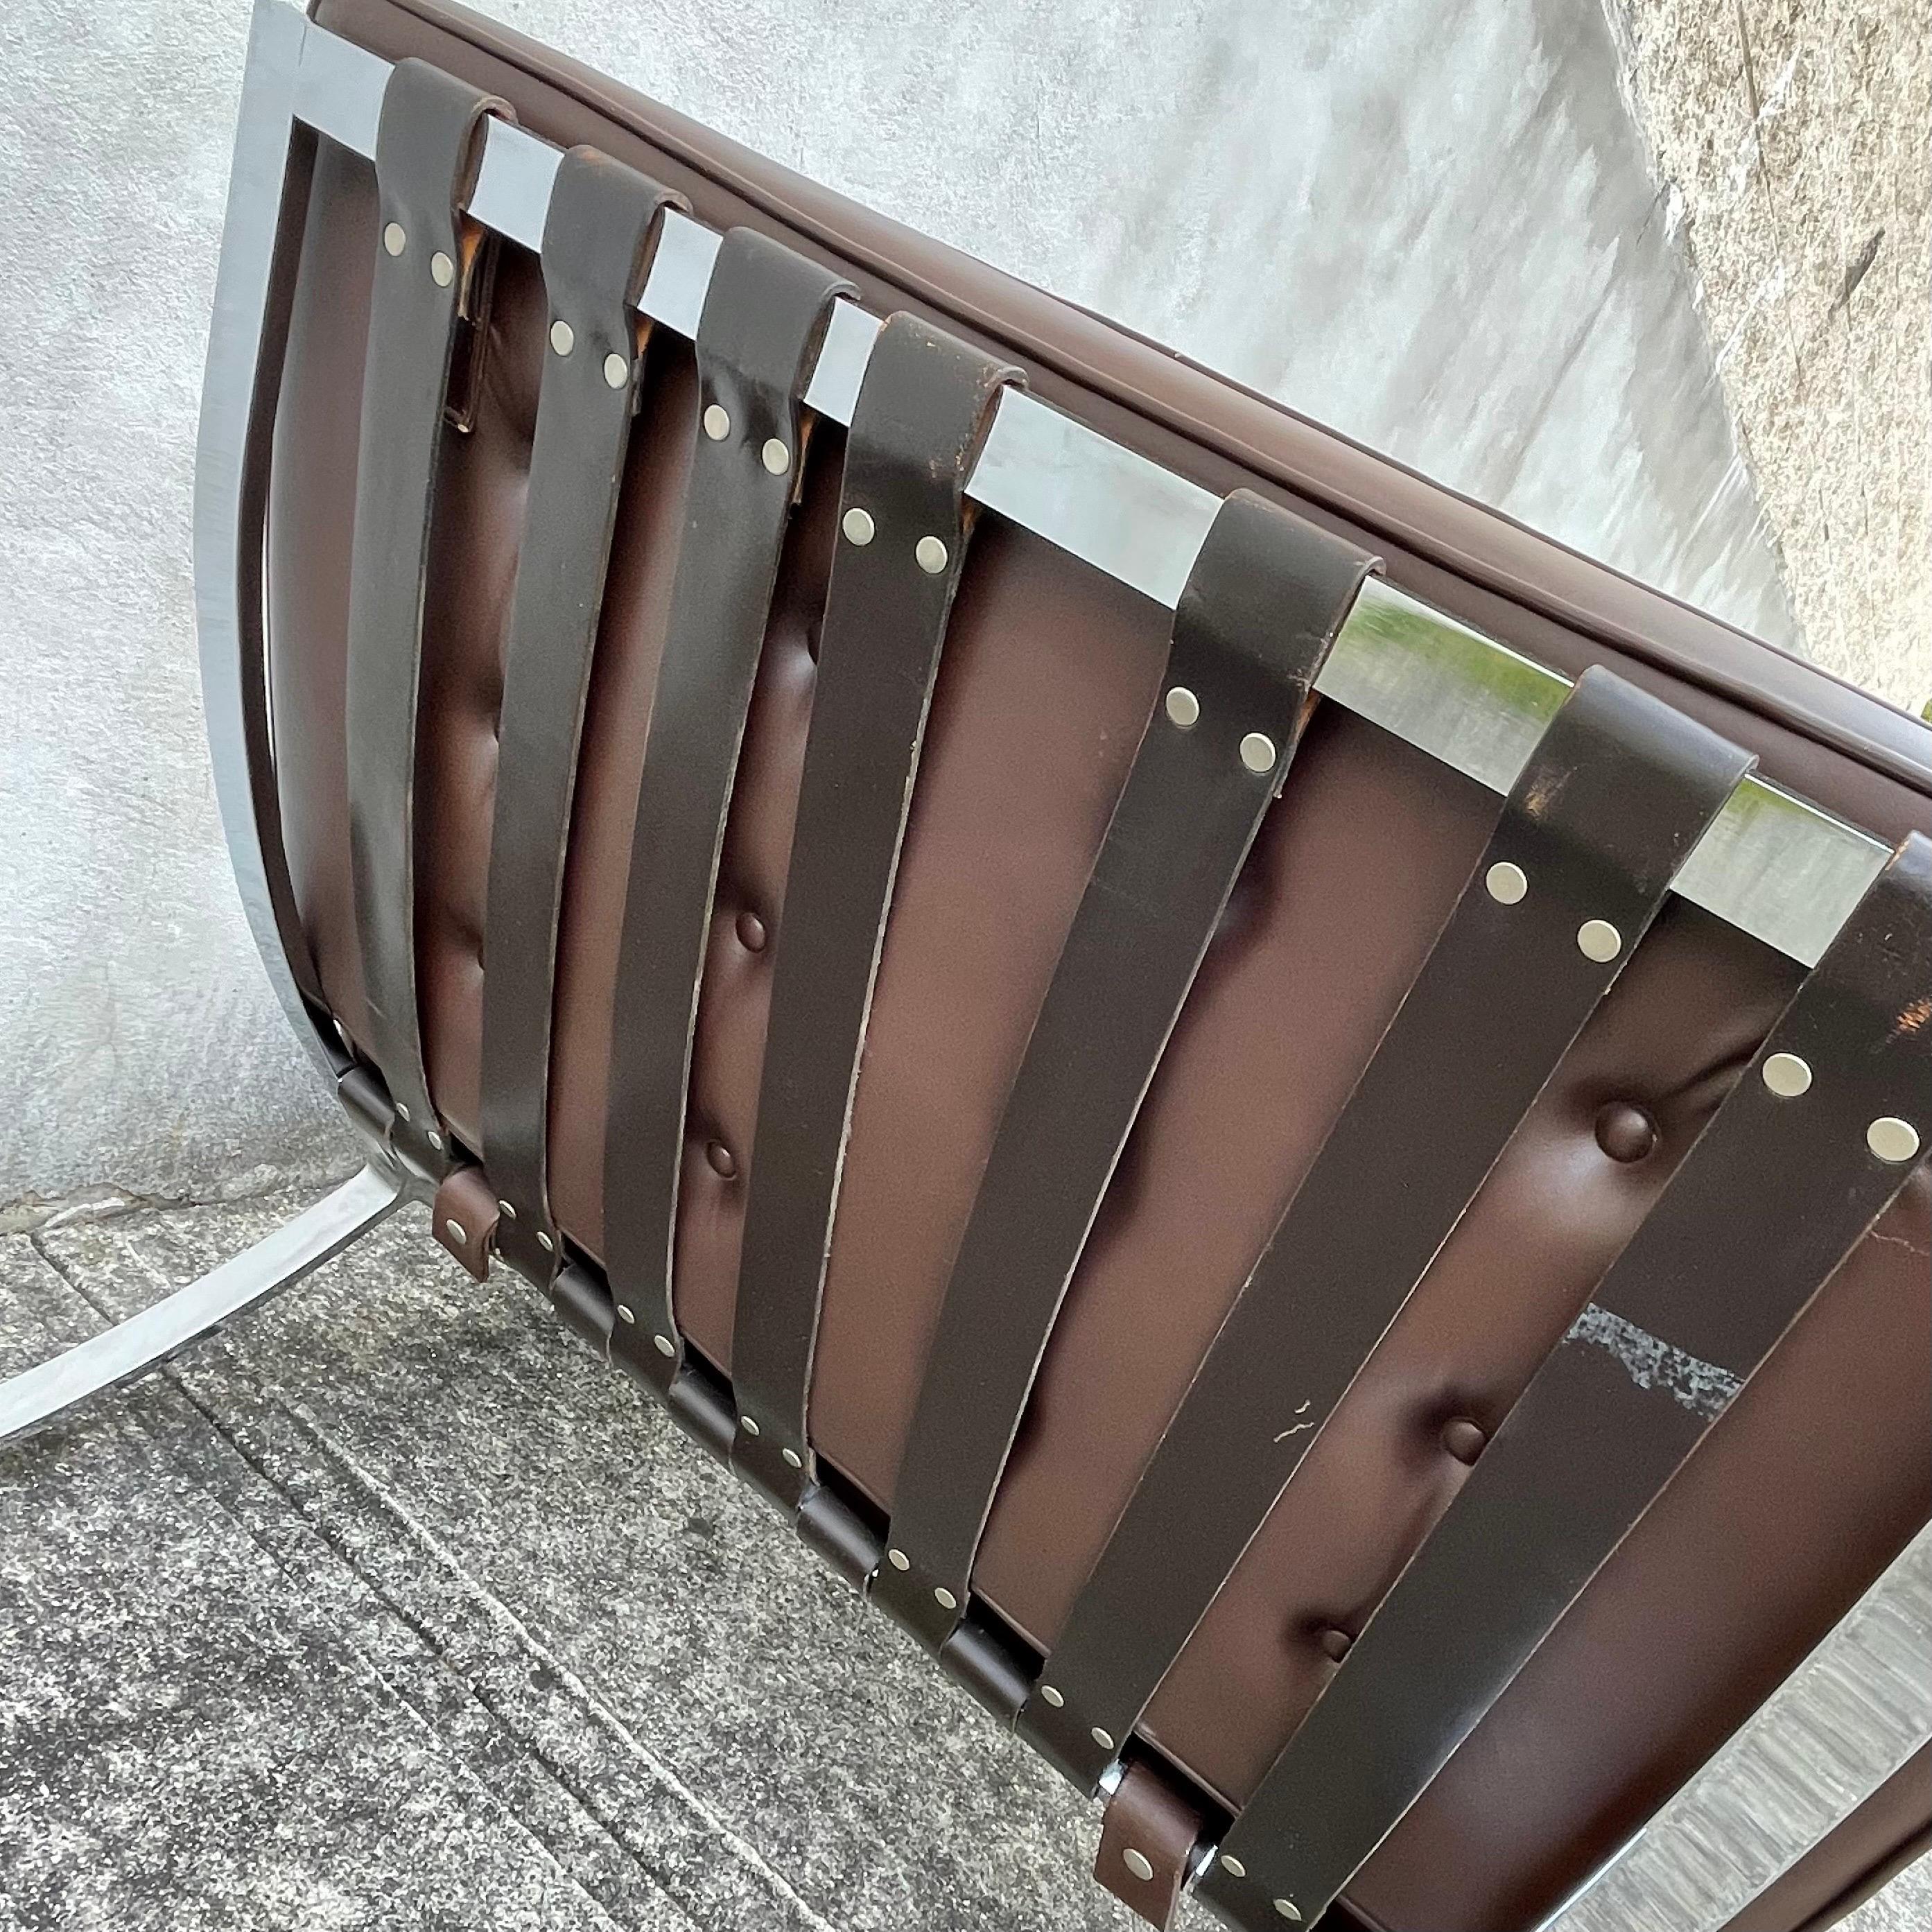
x: 464, y: 1217
x: 1147, y: 1836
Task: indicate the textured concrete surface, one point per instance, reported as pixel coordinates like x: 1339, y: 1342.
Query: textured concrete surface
x: 396, y: 1608
x: 1433, y: 226
x: 1791, y: 139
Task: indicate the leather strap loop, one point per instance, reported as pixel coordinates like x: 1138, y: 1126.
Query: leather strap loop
x: 1617, y: 791
x: 429, y: 145
x: 1778, y: 1190
x: 922, y: 413
x: 765, y: 315
x: 1267, y: 597
x: 596, y: 254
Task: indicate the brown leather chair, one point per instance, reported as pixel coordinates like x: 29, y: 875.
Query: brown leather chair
x: 943, y: 888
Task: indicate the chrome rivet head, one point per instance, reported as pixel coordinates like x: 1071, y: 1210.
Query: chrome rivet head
x: 1892, y: 1139
x: 504, y: 1208
x: 627, y: 1315
x: 1105, y: 1739
x: 793, y: 1458
x: 1285, y: 1906
x: 1258, y: 752
x: 456, y: 1232
x: 898, y: 1559
x: 394, y: 239
x: 1232, y: 1866
x: 1138, y: 1863
x: 1597, y: 939
x: 750, y: 1427
x: 544, y: 1242
x: 562, y: 336
x: 402, y: 1111
x: 1507, y: 884
x: 1048, y: 1695
x: 775, y: 456
x: 945, y: 1599
x: 435, y: 1139
x: 930, y: 555
x: 717, y: 422
x: 1183, y: 708
x: 1786, y: 1075
x: 664, y: 1345
x: 617, y: 371
x: 442, y: 269
x: 858, y: 525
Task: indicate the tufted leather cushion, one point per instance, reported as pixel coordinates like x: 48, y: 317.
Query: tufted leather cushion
x: 1799, y: 1496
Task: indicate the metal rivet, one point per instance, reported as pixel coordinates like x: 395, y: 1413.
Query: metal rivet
x: 664, y: 1344
x: 945, y: 1599
x: 562, y: 336
x: 898, y: 1559
x: 456, y: 1232
x: 1597, y: 939
x: 745, y: 1423
x: 617, y: 371
x: 1232, y: 1866
x: 1137, y: 1863
x: 1625, y: 1131
x: 442, y: 269
x: 1258, y: 752
x: 792, y: 1457
x: 627, y: 1315
x: 1507, y: 884
x: 1892, y: 1139
x: 434, y: 1138
x: 402, y: 1111
x: 544, y: 1242
x: 504, y: 1208
x: 857, y: 524
x: 1183, y: 708
x: 1103, y: 1738
x: 930, y: 554
x: 1786, y: 1075
x: 717, y: 423
x: 1050, y: 1696
x: 1286, y: 1908
x: 394, y: 239
x: 775, y: 456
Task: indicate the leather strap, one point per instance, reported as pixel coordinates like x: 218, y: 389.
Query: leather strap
x: 1775, y: 1194
x: 922, y: 410
x: 429, y: 145
x: 1619, y: 790
x: 596, y: 254
x: 764, y: 316
x: 1147, y: 1836
x: 1266, y: 596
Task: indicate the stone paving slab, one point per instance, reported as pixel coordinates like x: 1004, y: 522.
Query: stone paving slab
x: 395, y: 1607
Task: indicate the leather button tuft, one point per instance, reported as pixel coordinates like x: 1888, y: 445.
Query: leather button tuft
x: 1336, y: 1645
x: 1624, y: 1131
x: 1463, y: 1439
x: 751, y: 932
x: 724, y: 1163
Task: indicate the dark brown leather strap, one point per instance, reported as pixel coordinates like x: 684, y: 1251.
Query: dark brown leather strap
x: 1263, y: 602
x: 765, y: 315
x: 596, y: 254
x: 1778, y: 1190
x: 429, y: 145
x: 924, y: 407
x: 1147, y: 1839
x: 1619, y: 790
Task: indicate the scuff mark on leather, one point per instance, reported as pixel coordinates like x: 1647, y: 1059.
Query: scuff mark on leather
x: 1702, y: 1386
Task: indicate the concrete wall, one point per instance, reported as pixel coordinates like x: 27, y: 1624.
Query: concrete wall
x: 1428, y: 224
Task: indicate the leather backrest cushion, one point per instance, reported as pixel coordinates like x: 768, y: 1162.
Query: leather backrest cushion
x: 1797, y: 1499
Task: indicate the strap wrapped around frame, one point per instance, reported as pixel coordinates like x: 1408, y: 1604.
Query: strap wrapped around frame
x: 1791, y: 1173
x: 596, y: 253
x: 904, y: 523
x: 429, y: 146
x: 1267, y: 596
x: 765, y: 314
x: 1617, y: 791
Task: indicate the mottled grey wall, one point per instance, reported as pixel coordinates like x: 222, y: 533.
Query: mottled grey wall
x: 1428, y: 224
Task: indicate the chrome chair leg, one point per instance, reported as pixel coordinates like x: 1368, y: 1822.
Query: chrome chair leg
x: 132, y: 1347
